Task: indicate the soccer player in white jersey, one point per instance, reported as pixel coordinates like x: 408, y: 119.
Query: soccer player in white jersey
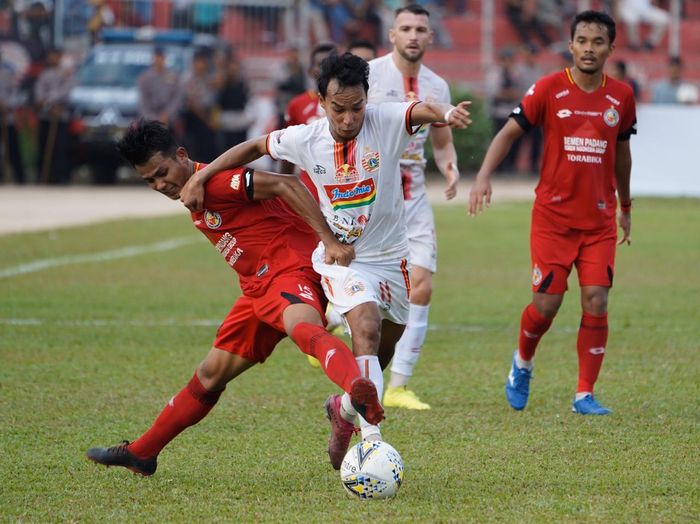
x: 397, y: 77
x: 352, y: 156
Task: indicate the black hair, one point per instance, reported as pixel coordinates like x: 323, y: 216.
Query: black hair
x: 362, y: 43
x: 349, y: 70
x: 622, y: 66
x: 325, y: 47
x: 416, y: 9
x: 675, y: 61
x: 146, y: 138
x: 595, y: 17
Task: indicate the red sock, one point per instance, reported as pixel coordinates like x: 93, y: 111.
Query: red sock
x: 335, y: 357
x: 592, y: 338
x: 185, y: 409
x: 532, y: 326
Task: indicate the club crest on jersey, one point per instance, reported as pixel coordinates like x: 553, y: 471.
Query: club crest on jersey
x: 536, y: 276
x: 346, y: 196
x: 611, y: 117
x: 370, y: 162
x: 212, y: 219
x: 346, y: 173
x: 354, y: 287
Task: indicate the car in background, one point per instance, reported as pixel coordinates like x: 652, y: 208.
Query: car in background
x: 105, y: 98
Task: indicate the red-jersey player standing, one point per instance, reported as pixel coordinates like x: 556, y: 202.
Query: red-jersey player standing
x: 246, y: 218
x: 587, y: 118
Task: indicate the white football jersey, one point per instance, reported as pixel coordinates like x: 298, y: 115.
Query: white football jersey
x: 387, y: 84
x: 358, y: 182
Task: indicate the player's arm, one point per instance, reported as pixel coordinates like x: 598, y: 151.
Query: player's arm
x: 623, y: 169
x: 480, y: 192
x: 437, y: 113
x: 286, y: 168
x: 290, y: 189
x: 192, y: 194
x: 445, y: 158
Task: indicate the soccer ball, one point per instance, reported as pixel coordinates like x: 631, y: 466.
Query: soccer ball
x: 372, y: 470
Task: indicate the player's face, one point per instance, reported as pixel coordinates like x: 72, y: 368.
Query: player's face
x: 411, y: 36
x: 345, y: 110
x: 363, y: 52
x: 590, y: 47
x: 166, y: 174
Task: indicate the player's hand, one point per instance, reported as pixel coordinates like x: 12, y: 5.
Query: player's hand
x: 459, y: 116
x: 452, y: 177
x: 625, y: 222
x: 192, y: 194
x: 479, y: 195
x: 338, y: 253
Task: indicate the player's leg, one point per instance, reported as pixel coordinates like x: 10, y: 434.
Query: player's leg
x: 595, y: 267
x: 185, y: 409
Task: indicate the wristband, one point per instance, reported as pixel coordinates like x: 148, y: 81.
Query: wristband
x: 446, y: 116
x: 626, y: 207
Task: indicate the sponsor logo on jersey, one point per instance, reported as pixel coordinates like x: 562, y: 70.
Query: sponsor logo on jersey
x: 263, y: 269
x: 354, y: 287
x: 536, y: 276
x: 319, y: 170
x: 371, y: 161
x: 212, y: 219
x: 613, y: 100
x: 346, y: 173
x: 392, y: 93
x: 235, y: 182
x: 564, y: 113
x: 611, y: 117
x: 278, y: 136
x: 346, y: 196
x: 561, y: 94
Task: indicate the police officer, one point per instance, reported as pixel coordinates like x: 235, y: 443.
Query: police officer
x: 160, y: 91
x: 9, y: 144
x: 51, y: 96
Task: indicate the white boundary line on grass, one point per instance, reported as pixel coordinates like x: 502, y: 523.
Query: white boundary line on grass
x: 103, y: 256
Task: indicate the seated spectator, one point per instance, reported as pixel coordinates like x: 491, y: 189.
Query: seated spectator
x: 636, y: 12
x: 673, y: 90
x: 618, y: 71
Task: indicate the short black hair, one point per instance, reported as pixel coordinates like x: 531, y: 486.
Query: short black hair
x: 146, y: 138
x: 416, y: 9
x: 595, y: 17
x: 325, y: 47
x: 362, y: 43
x: 349, y: 70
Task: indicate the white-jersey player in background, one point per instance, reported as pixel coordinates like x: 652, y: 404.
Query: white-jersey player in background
x: 400, y: 77
x: 352, y: 158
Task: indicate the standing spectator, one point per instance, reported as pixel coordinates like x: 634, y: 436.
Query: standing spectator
x: 51, y: 97
x: 200, y: 89
x: 635, y: 12
x: 102, y: 16
x: 666, y: 91
x: 293, y: 82
x: 233, y: 100
x: 527, y: 73
x: 10, y: 154
x: 618, y: 71
x: 160, y: 92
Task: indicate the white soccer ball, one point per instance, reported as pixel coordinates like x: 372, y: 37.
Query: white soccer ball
x: 372, y: 470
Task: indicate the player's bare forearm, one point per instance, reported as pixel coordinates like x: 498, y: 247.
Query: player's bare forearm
x: 623, y: 170
x: 445, y: 158
x: 286, y: 168
x: 433, y: 113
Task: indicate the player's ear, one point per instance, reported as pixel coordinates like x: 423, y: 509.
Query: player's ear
x: 181, y: 154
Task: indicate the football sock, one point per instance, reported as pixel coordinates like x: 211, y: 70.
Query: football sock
x: 409, y: 346
x: 335, y: 357
x: 592, y: 339
x: 185, y: 409
x: 582, y: 394
x: 532, y: 326
x: 369, y: 367
x: 347, y: 411
x: 523, y: 364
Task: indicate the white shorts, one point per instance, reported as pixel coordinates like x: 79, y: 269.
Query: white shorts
x: 422, y: 242
x: 387, y: 283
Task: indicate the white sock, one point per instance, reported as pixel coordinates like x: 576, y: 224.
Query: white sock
x: 397, y: 380
x: 409, y: 346
x: 520, y: 363
x: 370, y: 368
x: 347, y: 411
x: 582, y: 394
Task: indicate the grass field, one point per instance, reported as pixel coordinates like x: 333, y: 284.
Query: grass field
x: 91, y: 350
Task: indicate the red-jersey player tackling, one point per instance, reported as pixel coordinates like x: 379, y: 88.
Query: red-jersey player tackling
x: 246, y: 219
x: 587, y: 119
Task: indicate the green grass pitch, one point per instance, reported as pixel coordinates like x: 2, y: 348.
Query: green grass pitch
x: 91, y: 351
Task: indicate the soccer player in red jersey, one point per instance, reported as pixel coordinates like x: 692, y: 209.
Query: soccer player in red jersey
x: 588, y: 119
x: 246, y: 218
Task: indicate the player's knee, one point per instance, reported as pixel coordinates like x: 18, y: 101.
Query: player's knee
x: 596, y: 303
x: 547, y: 305
x: 422, y: 293
x: 213, y: 374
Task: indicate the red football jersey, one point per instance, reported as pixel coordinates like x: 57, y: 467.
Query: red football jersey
x: 302, y: 109
x: 581, y: 130
x: 258, y: 239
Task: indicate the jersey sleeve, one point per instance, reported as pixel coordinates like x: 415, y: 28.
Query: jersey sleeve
x: 530, y: 111
x: 282, y: 144
x: 232, y: 185
x: 628, y: 123
x: 393, y: 119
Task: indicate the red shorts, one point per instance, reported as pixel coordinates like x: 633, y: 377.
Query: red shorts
x: 555, y: 249
x: 254, y: 326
